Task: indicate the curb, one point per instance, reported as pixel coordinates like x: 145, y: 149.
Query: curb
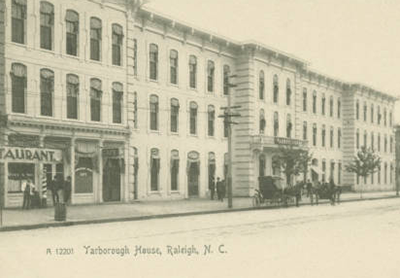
x: 161, y: 216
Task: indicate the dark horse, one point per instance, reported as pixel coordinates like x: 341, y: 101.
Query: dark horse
x: 293, y: 191
x: 326, y: 191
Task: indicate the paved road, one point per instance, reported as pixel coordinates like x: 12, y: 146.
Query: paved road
x: 350, y: 240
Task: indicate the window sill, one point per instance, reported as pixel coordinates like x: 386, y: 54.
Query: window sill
x: 174, y: 133
x: 194, y: 136
x: 173, y: 85
x: 154, y: 132
x: 52, y: 52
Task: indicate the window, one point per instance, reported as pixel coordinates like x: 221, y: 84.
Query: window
x: 226, y: 128
x: 331, y: 137
x: 95, y: 39
x: 391, y: 144
x: 153, y: 112
x: 276, y: 124
x: 72, y: 96
x: 46, y: 92
x: 384, y: 117
x: 339, y: 173
x: 262, y: 122
x: 323, y: 170
x: 18, y: 24
x: 46, y: 25
x: 72, y: 23
x: 174, y: 170
x: 314, y: 135
x: 117, y: 98
x: 323, y: 135
x: 18, y: 87
x: 173, y: 61
x: 135, y: 110
x: 211, y: 120
x: 372, y: 141
x: 211, y: 169
x: 154, y: 169
x: 323, y: 101
x: 372, y: 113
x: 385, y: 173
x: 365, y: 111
x: 357, y: 110
x: 386, y: 142
x: 358, y: 139
x: 261, y: 85
x: 339, y: 139
x: 193, y: 118
x: 261, y: 165
x: 379, y: 115
x: 18, y: 173
x: 305, y: 137
x: 95, y: 99
x: 210, y: 76
x: 227, y: 72
x: 331, y: 106
x: 117, y: 39
x: 192, y: 71
x: 288, y: 126
x: 339, y: 108
x: 288, y: 92
x: 174, y: 115
x: 379, y: 174
x: 304, y: 99
x: 135, y: 49
x: 365, y: 139
x: 332, y: 170
x: 314, y: 104
x: 276, y: 88
x: 390, y: 119
x: 379, y: 142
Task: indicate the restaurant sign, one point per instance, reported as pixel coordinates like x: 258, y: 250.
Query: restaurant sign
x: 30, y: 154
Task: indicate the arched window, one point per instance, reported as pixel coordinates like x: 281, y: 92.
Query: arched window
x: 357, y: 110
x: 117, y: 97
x: 18, y: 87
x: 305, y: 99
x: 323, y: 102
x: 358, y: 139
x: 379, y: 115
x: 154, y: 169
x: 331, y: 137
x: 276, y: 124
x: 323, y: 135
x: 153, y: 112
x: 227, y: 72
x: 365, y: 111
x: 339, y: 108
x: 314, y: 134
x: 261, y: 85
x: 72, y: 96
x: 174, y: 115
x: 193, y: 118
x: 305, y: 137
x: 261, y: 165
x: 46, y: 25
x: 211, y: 120
x: 211, y: 172
x: 262, y: 122
x: 314, y: 102
x: 153, y: 61
x: 95, y: 99
x: 173, y: 61
x: 135, y: 110
x: 289, y: 126
x: 95, y: 38
x: 379, y: 142
x: 210, y: 76
x: 18, y: 21
x: 331, y: 106
x: 323, y: 170
x: 174, y: 170
x: 384, y: 117
x: 117, y: 41
x: 276, y: 88
x: 372, y: 113
x: 372, y: 141
x: 72, y: 23
x: 193, y: 71
x: 46, y: 92
x: 288, y: 92
x: 339, y: 139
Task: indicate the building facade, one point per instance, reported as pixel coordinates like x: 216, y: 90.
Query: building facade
x: 127, y: 101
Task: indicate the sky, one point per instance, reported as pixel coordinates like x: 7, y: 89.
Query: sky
x: 355, y: 41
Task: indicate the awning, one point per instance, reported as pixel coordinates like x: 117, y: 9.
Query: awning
x: 316, y: 170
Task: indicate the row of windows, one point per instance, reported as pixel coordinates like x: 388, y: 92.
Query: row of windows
x: 193, y: 66
x: 47, y: 94
x: 323, y: 104
x: 372, y: 141
x: 72, y: 21
x: 379, y: 173
x: 275, y: 86
x: 289, y: 125
x: 372, y: 115
x: 174, y: 117
x: 323, y: 135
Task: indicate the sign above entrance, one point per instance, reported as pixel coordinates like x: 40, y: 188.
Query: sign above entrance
x: 110, y: 152
x: 30, y: 154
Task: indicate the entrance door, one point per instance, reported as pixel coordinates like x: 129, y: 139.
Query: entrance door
x: 193, y: 179
x: 112, y: 181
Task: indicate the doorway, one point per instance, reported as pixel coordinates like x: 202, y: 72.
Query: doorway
x: 193, y: 179
x: 112, y: 181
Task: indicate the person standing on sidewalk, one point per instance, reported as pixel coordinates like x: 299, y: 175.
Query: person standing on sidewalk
x: 219, y: 189
x: 53, y: 188
x: 212, y: 188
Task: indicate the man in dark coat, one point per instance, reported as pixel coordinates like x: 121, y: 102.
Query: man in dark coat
x: 219, y: 189
x: 211, y: 187
x: 67, y: 189
x: 26, y: 188
x: 53, y: 187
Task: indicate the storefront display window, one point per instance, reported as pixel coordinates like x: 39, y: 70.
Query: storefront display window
x: 19, y: 173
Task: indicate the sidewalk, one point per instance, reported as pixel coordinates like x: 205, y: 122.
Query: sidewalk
x: 17, y: 219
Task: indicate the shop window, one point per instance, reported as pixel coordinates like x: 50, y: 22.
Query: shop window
x: 304, y: 100
x: 46, y: 25
x: 95, y: 39
x: 173, y: 60
x: 210, y: 76
x: 276, y: 88
x: 117, y: 40
x: 261, y: 85
x: 288, y: 92
x: 227, y: 72
x: 153, y: 112
x: 174, y: 170
x: 174, y: 115
x: 72, y: 23
x: 46, y: 92
x: 18, y: 18
x: 19, y: 173
x: 276, y: 124
x: 95, y: 99
x: 192, y: 71
x: 72, y: 96
x: 18, y: 87
x: 117, y: 99
x: 154, y: 169
x: 193, y: 118
x: 153, y: 55
x: 211, y: 120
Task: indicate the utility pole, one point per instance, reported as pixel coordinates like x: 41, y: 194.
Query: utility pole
x: 227, y: 115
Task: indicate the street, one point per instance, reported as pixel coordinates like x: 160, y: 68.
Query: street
x: 358, y: 239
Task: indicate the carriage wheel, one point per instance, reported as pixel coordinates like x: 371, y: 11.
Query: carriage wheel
x: 256, y: 201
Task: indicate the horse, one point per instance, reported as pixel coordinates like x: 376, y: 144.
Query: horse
x: 293, y: 191
x: 331, y: 192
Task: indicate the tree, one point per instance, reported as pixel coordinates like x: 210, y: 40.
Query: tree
x: 365, y: 163
x: 292, y: 161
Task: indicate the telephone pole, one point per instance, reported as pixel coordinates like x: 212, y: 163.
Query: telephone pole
x: 228, y: 115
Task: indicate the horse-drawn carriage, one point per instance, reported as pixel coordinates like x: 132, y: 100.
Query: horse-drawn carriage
x: 326, y: 191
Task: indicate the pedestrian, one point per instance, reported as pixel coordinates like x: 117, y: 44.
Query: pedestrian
x: 309, y: 187
x: 211, y: 187
x: 27, y: 194
x: 67, y: 189
x: 53, y: 187
x: 219, y: 189
x: 60, y: 186
x: 223, y: 190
